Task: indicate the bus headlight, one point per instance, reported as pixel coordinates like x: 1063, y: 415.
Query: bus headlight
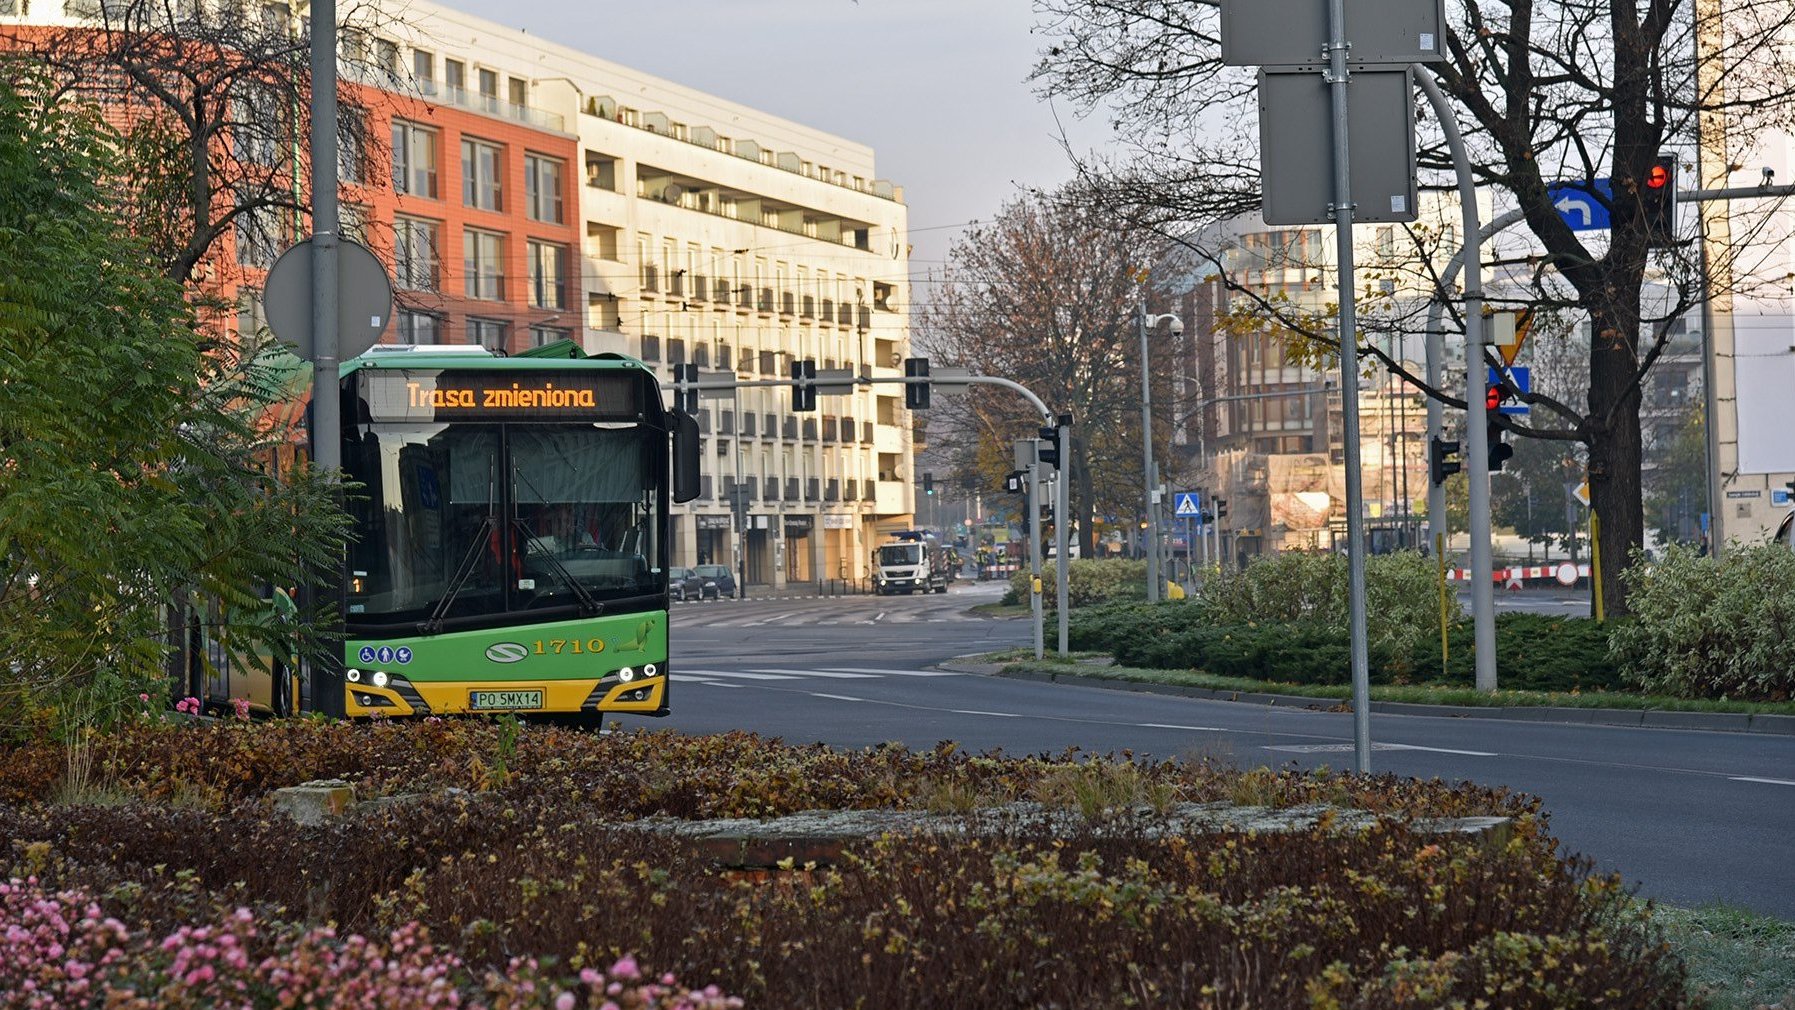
x: 649, y: 669
x: 626, y: 674
x: 380, y: 678
x: 353, y: 674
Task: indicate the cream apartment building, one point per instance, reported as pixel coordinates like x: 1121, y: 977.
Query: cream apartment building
x: 720, y: 236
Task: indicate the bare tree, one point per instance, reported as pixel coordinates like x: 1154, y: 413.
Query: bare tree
x: 1045, y: 294
x: 1547, y: 90
x: 212, y: 105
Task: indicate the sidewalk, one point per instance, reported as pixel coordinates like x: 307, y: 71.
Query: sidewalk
x: 1726, y: 722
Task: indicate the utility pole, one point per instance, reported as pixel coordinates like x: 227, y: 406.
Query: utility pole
x: 1150, y: 545
x: 326, y: 433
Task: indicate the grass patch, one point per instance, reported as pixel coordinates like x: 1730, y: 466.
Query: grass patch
x: 1000, y: 609
x: 1738, y: 960
x: 1419, y: 694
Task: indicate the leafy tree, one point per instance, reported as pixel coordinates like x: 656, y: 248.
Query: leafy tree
x: 1546, y: 90
x: 130, y: 456
x: 1046, y: 294
x: 211, y: 102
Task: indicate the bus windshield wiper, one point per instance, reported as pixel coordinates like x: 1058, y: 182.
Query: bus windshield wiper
x: 469, y: 561
x: 588, y: 605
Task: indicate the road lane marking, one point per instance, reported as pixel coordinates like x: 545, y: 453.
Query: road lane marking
x: 834, y: 697
x: 894, y: 673
x: 1770, y: 782
x: 1332, y: 748
x: 744, y: 675
x: 974, y: 711
x: 1194, y: 729
x: 825, y: 674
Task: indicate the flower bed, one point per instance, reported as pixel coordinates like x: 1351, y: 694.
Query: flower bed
x: 522, y: 878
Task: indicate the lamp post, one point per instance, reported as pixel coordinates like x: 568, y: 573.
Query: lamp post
x: 1149, y: 478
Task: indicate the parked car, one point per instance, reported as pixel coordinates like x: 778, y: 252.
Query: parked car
x: 686, y: 584
x: 718, y: 580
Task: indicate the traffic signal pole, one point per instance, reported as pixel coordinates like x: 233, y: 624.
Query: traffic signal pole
x: 1476, y: 445
x: 326, y: 435
x: 1062, y: 598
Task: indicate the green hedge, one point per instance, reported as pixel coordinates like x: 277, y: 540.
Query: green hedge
x: 1093, y: 582
x: 1708, y: 627
x: 1535, y: 652
x: 1402, y: 597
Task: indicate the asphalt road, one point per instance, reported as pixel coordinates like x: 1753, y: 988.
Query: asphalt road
x: 1692, y: 817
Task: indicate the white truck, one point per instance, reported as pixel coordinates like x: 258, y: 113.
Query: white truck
x: 910, y: 562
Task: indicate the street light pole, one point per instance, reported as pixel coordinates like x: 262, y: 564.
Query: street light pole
x: 1149, y: 477
x: 1148, y: 547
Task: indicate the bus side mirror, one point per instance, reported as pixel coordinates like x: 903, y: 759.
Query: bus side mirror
x: 686, y: 477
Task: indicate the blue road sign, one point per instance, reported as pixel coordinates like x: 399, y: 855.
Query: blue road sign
x: 1187, y: 503
x: 1582, y: 209
x: 1521, y: 377
x: 1779, y: 497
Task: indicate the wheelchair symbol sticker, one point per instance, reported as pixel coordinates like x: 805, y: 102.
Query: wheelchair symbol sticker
x: 366, y: 654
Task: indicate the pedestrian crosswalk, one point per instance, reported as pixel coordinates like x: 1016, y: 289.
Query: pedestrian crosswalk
x: 740, y: 678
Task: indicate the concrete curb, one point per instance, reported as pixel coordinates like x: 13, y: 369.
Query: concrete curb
x: 1719, y: 722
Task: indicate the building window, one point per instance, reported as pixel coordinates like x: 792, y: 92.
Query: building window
x: 423, y: 71
x: 488, y: 333
x: 482, y: 256
x: 548, y: 275
x: 480, y: 175
x: 252, y: 319
x: 414, y: 159
x: 352, y: 144
x: 455, y: 79
x: 544, y: 335
x: 542, y: 188
x: 415, y: 253
x: 260, y: 236
x: 519, y: 93
x: 419, y: 327
x: 489, y: 91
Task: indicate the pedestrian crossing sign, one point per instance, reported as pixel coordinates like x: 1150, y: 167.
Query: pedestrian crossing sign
x: 1187, y: 503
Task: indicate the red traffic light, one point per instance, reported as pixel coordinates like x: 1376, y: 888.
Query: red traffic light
x: 1492, y: 397
x: 1658, y: 177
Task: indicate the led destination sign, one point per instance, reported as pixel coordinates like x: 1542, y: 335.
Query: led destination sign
x: 500, y: 396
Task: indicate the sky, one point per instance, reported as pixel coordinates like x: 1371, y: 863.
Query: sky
x: 938, y: 88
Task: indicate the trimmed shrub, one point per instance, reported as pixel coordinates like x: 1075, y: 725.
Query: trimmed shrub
x: 1092, y: 582
x: 1534, y: 652
x: 1402, y: 598
x: 1707, y: 627
x: 1100, y: 629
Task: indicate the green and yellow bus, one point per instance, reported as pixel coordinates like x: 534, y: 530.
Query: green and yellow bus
x: 510, y: 541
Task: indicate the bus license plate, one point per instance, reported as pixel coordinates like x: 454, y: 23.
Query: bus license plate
x: 485, y: 701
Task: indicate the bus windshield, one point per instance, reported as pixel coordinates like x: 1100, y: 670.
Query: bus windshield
x: 468, y: 520
x: 900, y: 554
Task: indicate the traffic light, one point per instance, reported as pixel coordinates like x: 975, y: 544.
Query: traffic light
x: 1050, y: 447
x: 1439, y: 465
x: 1658, y: 202
x: 916, y: 394
x: 1496, y: 425
x: 1221, y: 509
x: 928, y: 483
x: 685, y: 400
x: 803, y: 385
x: 1016, y: 481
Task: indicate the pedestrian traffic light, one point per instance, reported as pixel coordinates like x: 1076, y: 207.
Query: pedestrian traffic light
x: 1496, y: 425
x: 1049, y: 447
x: 1440, y: 464
x: 1658, y: 202
x: 804, y: 385
x: 916, y: 394
x: 928, y: 483
x: 685, y: 400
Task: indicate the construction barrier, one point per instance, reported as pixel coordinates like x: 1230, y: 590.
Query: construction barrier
x: 1564, y: 573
